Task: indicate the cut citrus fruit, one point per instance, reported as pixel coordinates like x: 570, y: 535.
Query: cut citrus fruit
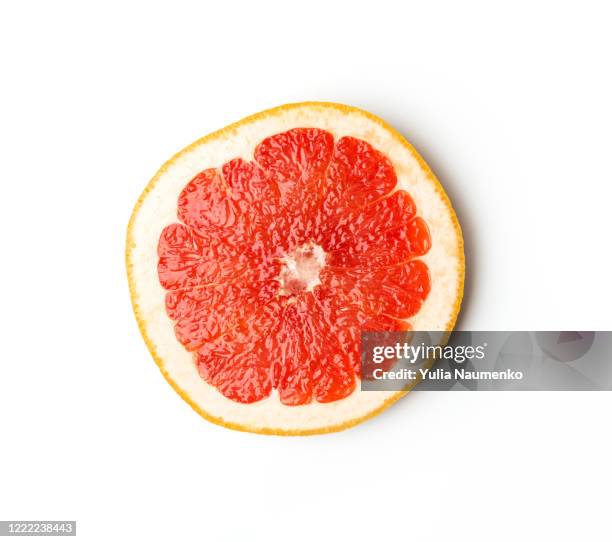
x: 257, y: 256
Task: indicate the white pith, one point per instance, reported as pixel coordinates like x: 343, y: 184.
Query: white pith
x: 159, y: 209
x: 302, y: 266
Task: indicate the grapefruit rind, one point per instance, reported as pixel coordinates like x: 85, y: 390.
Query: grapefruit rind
x: 156, y: 208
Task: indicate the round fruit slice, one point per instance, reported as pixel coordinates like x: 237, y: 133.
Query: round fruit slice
x: 258, y: 254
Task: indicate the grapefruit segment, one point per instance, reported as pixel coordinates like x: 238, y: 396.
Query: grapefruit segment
x: 238, y: 363
x: 297, y: 229
x: 358, y: 174
x: 397, y: 291
x: 201, y: 314
x: 187, y: 259
x: 296, y: 162
x: 296, y: 159
x: 376, y: 235
x: 206, y: 206
x: 181, y: 263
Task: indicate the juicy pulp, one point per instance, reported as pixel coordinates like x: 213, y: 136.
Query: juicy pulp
x: 225, y: 266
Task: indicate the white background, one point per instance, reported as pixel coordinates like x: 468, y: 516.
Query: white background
x: 512, y: 109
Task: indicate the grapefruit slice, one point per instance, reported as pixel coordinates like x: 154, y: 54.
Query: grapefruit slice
x: 258, y: 254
